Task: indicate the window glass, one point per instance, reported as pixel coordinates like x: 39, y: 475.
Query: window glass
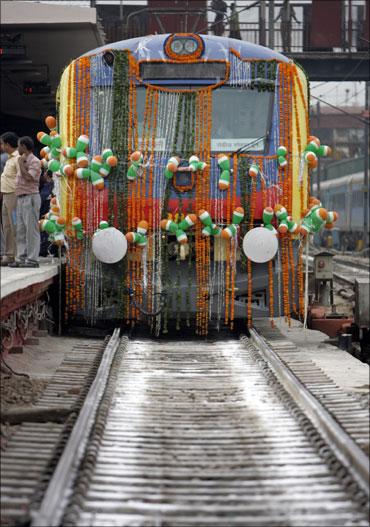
x: 239, y: 117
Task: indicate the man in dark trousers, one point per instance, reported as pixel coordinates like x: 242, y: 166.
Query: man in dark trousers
x: 28, y: 205
x: 234, y: 23
x: 8, y: 144
x: 220, y: 8
x: 287, y: 14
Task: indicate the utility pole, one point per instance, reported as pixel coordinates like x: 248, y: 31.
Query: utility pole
x: 318, y: 170
x: 271, y: 25
x: 366, y: 167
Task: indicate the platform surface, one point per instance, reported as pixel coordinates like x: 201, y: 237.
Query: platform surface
x: 16, y: 279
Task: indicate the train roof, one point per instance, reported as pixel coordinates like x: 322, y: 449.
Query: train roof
x: 151, y: 47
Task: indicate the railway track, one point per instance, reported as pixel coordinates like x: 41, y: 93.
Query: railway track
x: 237, y: 432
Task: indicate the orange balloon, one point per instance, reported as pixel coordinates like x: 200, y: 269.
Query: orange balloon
x: 313, y: 138
x: 99, y: 159
x: 135, y: 156
x: 40, y: 135
x: 329, y: 225
x: 82, y: 163
x: 61, y: 221
x: 130, y: 236
x: 143, y: 224
x: 69, y: 170
x: 310, y: 157
x: 112, y: 161
x: 323, y: 213
x: 172, y: 167
x: 50, y: 122
x: 336, y: 215
x: 53, y: 133
x: 313, y: 163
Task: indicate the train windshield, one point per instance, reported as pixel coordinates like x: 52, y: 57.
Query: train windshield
x: 240, y: 117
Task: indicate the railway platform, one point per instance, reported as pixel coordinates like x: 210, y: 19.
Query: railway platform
x: 24, y: 302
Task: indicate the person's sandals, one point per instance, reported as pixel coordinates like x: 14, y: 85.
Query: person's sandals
x: 14, y: 264
x: 28, y: 263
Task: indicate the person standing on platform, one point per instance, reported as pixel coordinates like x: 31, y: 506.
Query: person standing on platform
x: 9, y: 143
x: 3, y: 159
x: 287, y: 14
x: 28, y: 205
x: 220, y: 8
x: 234, y: 23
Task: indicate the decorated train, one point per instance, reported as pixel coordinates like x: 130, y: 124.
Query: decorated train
x: 181, y: 166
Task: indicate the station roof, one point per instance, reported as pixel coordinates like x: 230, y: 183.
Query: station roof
x: 48, y: 37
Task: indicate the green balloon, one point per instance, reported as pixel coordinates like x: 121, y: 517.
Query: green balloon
x: 312, y: 147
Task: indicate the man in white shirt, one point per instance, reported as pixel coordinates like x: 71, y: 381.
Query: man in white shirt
x: 9, y: 144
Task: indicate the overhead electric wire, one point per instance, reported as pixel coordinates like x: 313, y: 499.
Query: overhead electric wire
x: 364, y: 121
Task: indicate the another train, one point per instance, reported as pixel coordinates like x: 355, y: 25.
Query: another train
x: 185, y: 144
x: 345, y: 195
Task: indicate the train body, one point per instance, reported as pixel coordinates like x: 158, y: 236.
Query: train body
x: 178, y: 96
x: 345, y: 195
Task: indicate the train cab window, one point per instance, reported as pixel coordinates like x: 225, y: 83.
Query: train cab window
x: 239, y: 117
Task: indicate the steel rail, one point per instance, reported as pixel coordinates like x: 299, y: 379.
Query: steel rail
x: 344, y: 447
x: 55, y: 499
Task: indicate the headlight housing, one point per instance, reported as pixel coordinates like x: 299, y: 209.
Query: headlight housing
x: 184, y: 46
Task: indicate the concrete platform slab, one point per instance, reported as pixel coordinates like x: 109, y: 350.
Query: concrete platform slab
x: 345, y: 370
x: 15, y: 279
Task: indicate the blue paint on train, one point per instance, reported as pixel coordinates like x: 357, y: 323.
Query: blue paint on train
x: 215, y: 48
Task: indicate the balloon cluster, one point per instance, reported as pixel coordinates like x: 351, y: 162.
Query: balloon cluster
x: 211, y: 229
x: 173, y: 163
x: 317, y: 217
x: 179, y: 228
x: 137, y: 163
x: 314, y: 149
x: 224, y: 165
x: 73, y: 160
x: 55, y: 225
x: 95, y: 171
x: 282, y: 152
x: 139, y: 237
x: 231, y: 230
x: 285, y: 222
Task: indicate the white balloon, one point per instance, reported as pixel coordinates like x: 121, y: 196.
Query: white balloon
x: 260, y: 245
x: 109, y: 245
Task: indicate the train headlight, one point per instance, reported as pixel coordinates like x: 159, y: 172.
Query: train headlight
x: 190, y: 46
x: 177, y: 46
x: 183, y: 46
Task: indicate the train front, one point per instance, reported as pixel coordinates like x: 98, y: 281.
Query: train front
x: 208, y: 133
